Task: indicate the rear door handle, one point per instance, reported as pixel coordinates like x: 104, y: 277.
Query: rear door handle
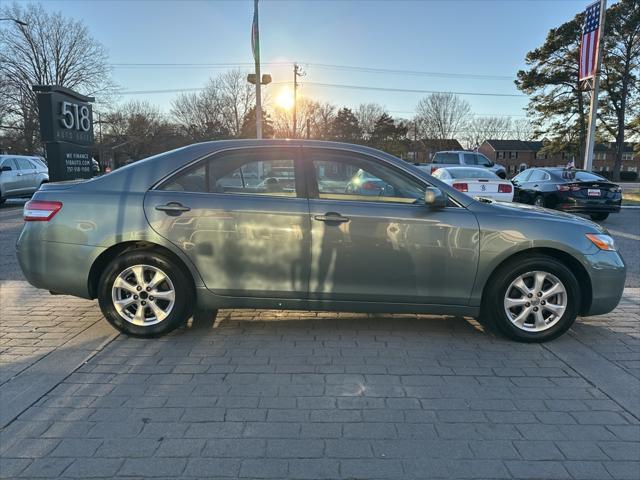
x: 331, y: 217
x: 173, y: 208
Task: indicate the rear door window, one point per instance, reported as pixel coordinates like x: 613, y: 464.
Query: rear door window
x: 470, y: 159
x: 24, y: 164
x: 269, y: 171
x: 523, y: 176
x: 538, y: 176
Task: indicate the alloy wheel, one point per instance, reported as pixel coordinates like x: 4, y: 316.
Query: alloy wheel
x: 535, y: 301
x: 143, y: 295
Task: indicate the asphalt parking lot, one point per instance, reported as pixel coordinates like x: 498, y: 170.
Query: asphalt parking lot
x: 268, y: 394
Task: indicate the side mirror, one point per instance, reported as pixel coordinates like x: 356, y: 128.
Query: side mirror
x: 434, y: 198
x: 5, y: 168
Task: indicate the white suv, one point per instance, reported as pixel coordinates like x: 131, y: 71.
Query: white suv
x: 21, y: 176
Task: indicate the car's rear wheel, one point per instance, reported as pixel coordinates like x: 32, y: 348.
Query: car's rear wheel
x: 539, y: 201
x: 533, y: 300
x: 145, y: 294
x: 599, y: 216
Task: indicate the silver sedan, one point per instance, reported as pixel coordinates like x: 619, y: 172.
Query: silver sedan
x: 202, y: 227
x: 21, y: 176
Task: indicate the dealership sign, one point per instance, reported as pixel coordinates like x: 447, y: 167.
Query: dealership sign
x: 66, y: 126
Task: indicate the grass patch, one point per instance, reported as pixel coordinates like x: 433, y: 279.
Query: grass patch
x: 631, y: 197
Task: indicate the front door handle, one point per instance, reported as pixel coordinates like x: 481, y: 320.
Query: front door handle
x: 173, y: 208
x: 331, y: 217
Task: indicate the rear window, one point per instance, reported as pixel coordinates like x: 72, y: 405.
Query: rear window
x: 581, y: 176
x: 472, y: 173
x: 446, y: 158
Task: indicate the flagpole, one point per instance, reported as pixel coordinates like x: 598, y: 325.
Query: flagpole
x: 593, y: 113
x: 256, y: 55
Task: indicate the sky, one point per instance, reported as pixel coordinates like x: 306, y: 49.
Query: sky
x: 464, y: 46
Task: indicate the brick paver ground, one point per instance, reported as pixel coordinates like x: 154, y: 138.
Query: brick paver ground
x: 265, y: 394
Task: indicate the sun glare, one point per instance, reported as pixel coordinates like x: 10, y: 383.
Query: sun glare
x: 285, y: 99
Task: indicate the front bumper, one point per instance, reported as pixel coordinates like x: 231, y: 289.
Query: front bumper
x: 608, y: 274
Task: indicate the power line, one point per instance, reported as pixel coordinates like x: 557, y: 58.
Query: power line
x: 410, y: 90
x: 326, y: 66
x: 337, y: 85
x: 409, y: 72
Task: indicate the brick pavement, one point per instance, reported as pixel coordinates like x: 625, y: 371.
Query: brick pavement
x: 264, y: 394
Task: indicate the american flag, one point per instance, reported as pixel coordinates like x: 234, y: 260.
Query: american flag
x: 255, y: 47
x: 590, y: 41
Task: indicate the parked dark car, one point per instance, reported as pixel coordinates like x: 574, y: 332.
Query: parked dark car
x: 160, y: 237
x: 569, y: 190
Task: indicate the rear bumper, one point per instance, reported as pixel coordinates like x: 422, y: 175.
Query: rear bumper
x: 58, y: 267
x: 608, y: 274
x: 575, y: 205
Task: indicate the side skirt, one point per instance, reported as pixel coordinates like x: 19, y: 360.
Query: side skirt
x: 207, y: 300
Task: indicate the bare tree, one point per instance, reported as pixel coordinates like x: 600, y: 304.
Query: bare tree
x: 442, y: 115
x: 49, y: 50
x: 317, y: 116
x: 322, y: 120
x: 479, y: 129
x: 200, y: 116
x: 138, y: 129
x: 238, y: 97
x: 522, y: 129
x: 367, y: 115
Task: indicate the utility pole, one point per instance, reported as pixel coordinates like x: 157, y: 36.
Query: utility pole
x: 595, y: 91
x: 297, y: 72
x: 255, y: 43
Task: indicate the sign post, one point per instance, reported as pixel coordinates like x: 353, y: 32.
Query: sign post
x: 66, y: 127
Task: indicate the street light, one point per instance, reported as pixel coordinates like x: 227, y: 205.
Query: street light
x: 19, y: 22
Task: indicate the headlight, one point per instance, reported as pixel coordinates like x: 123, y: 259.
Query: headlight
x: 603, y: 242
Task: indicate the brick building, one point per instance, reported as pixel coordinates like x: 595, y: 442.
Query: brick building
x: 516, y: 155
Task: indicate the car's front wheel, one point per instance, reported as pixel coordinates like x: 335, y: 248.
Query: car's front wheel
x: 533, y: 300
x: 145, y: 294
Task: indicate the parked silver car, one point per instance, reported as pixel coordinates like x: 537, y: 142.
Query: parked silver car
x: 185, y: 229
x: 457, y: 158
x: 21, y: 176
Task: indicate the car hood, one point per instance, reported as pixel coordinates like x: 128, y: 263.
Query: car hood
x: 531, y: 212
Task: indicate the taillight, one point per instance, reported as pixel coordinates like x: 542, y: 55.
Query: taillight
x: 504, y: 188
x: 615, y: 189
x: 369, y: 186
x: 40, y: 210
x: 566, y: 188
x: 461, y: 187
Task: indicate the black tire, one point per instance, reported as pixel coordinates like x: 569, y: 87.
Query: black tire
x: 493, y: 310
x: 539, y: 201
x: 182, y: 286
x: 598, y: 217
